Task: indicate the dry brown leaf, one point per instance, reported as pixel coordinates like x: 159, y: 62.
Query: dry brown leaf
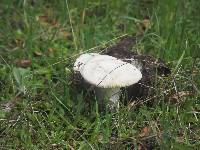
x: 24, y: 63
x: 140, y: 147
x: 175, y: 97
x: 143, y: 25
x: 19, y: 41
x: 145, y: 132
x: 43, y: 20
x: 63, y: 33
x: 37, y: 53
x: 55, y: 24
x: 146, y: 23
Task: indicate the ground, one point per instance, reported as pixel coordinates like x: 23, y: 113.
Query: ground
x: 39, y: 41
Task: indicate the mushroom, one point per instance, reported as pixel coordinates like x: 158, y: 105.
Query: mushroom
x: 108, y: 74
x: 150, y: 66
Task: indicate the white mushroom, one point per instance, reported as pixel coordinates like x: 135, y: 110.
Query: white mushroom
x: 108, y: 74
x: 82, y: 60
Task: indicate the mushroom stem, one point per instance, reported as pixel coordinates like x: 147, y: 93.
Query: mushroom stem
x: 108, y: 96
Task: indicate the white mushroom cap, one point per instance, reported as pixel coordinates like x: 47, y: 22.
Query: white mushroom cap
x: 82, y: 60
x: 107, y: 71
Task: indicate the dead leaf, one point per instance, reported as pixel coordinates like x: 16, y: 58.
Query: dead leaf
x: 47, y: 20
x: 19, y: 41
x: 50, y: 50
x: 143, y: 25
x: 63, y: 33
x: 24, y: 63
x: 139, y: 147
x: 55, y: 24
x: 145, y: 132
x: 43, y: 20
x: 37, y: 53
x: 146, y: 23
x: 175, y: 97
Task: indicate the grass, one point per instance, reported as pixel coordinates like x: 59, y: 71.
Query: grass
x: 36, y: 109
